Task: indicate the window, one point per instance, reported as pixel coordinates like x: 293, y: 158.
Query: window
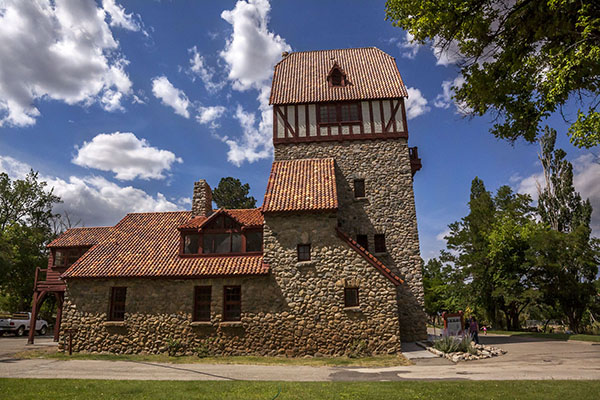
x: 191, y: 243
x: 351, y: 297
x: 232, y: 303
x: 380, y: 243
x: 117, y: 303
x: 359, y: 188
x: 254, y: 241
x: 337, y: 78
x: 59, y: 260
x: 363, y: 240
x: 339, y: 112
x: 222, y: 243
x: 304, y: 252
x: 202, y: 297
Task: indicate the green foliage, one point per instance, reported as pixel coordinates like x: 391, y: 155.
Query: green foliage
x: 357, y: 349
x: 451, y: 344
x: 25, y: 229
x: 174, y: 347
x: 204, y: 349
x: 521, y: 60
x: 232, y: 194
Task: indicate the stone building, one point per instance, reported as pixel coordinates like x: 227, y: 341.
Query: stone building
x: 329, y: 265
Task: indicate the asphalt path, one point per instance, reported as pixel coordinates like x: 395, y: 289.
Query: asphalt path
x: 527, y: 358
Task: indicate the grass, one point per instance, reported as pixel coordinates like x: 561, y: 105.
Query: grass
x: 378, y: 361
x: 66, y: 389
x: 555, y: 336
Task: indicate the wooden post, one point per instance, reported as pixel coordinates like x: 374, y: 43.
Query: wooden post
x: 59, y: 307
x: 33, y: 316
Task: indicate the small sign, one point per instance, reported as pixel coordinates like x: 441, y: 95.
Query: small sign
x: 454, y: 324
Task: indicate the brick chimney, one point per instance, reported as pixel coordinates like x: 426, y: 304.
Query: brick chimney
x: 202, y: 200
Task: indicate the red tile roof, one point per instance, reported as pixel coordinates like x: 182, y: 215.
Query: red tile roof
x: 147, y: 245
x: 249, y: 217
x: 302, y: 77
x: 371, y: 259
x: 301, y: 185
x: 82, y: 237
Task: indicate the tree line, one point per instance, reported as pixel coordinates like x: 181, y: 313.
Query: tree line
x: 507, y: 257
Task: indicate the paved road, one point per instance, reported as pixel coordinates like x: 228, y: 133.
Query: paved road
x: 10, y: 345
x: 526, y: 359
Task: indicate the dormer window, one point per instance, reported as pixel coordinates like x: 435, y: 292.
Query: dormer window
x: 336, y: 77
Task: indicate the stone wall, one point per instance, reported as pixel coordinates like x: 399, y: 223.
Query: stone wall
x: 296, y: 310
x: 388, y: 208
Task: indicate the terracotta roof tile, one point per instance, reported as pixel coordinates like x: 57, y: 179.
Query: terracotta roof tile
x: 147, y: 245
x: 301, y: 185
x: 302, y: 77
x: 370, y: 258
x: 81, y: 237
x: 249, y: 217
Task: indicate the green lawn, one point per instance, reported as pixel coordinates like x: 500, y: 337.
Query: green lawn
x: 555, y: 336
x: 378, y: 361
x: 65, y: 389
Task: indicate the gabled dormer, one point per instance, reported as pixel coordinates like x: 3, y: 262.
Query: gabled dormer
x: 225, y: 232
x: 336, y: 76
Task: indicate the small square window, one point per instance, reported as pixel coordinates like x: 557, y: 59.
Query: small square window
x: 118, y: 295
x: 359, y: 188
x: 380, y: 243
x: 59, y: 260
x: 232, y: 303
x: 363, y: 240
x: 351, y: 297
x: 304, y: 252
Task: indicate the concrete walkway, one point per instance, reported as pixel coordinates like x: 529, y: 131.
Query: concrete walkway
x: 526, y: 359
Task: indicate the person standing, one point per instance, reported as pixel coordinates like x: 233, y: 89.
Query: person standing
x: 474, y: 329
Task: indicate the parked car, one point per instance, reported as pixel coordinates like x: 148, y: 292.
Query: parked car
x: 18, y: 324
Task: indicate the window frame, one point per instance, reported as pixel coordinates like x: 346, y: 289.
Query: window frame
x: 299, y: 252
x: 354, y: 290
x: 113, y: 304
x: 338, y: 116
x: 226, y: 316
x: 357, y: 193
x: 359, y: 238
x: 379, y: 240
x: 69, y: 255
x: 198, y: 304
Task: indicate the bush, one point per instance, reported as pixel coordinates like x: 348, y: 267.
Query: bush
x: 452, y: 344
x: 174, y: 346
x: 204, y: 349
x: 357, y: 349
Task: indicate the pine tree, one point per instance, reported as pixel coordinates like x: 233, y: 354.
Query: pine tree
x: 232, y: 194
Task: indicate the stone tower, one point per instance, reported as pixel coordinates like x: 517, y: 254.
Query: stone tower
x: 349, y: 105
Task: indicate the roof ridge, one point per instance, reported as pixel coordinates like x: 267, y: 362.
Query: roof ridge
x: 340, y: 49
x: 157, y: 212
x: 307, y: 159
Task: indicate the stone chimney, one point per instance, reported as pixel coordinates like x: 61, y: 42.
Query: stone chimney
x: 202, y: 200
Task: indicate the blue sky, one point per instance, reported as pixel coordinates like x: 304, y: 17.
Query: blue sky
x: 121, y: 106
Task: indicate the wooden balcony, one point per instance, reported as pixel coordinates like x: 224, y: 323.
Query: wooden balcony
x: 49, y: 280
x: 415, y: 161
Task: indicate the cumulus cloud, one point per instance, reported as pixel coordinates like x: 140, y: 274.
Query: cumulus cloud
x: 586, y: 179
x: 61, y: 50
x: 250, y: 53
x: 119, y: 18
x: 125, y: 155
x: 94, y: 200
x: 209, y: 115
x: 171, y: 96
x: 446, y: 54
x: 416, y: 103
x: 409, y: 48
x: 445, y: 100
x: 198, y: 67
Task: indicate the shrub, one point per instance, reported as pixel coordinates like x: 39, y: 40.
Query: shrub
x: 174, y: 346
x: 357, y: 349
x: 204, y: 349
x: 452, y: 344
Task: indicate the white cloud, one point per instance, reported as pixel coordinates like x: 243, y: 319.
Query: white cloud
x: 94, y: 200
x: 171, y: 96
x: 416, y: 103
x: 125, y: 155
x: 586, y: 179
x: 198, y: 67
x: 442, y: 235
x: 409, y: 46
x: 209, y: 115
x: 119, y: 18
x: 251, y: 53
x: 446, y: 54
x: 61, y: 50
x: 444, y: 99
